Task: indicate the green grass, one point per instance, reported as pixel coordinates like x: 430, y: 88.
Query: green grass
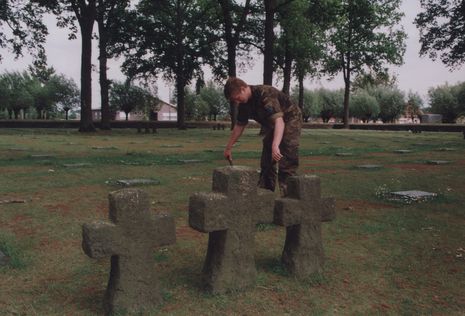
x: 383, y: 257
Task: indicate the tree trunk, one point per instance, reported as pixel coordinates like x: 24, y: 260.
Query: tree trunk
x: 180, y: 85
x: 346, y: 103
x: 66, y: 115
x: 86, y: 23
x: 269, y: 40
x: 287, y: 71
x: 301, y: 92
x: 103, y: 78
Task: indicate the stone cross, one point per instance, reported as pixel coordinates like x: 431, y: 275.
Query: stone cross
x: 230, y: 214
x: 302, y: 212
x: 129, y: 238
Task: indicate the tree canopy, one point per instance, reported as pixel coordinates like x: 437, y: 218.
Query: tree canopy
x: 442, y: 31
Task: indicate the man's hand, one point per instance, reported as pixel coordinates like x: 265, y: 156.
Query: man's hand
x: 276, y: 153
x: 228, y: 154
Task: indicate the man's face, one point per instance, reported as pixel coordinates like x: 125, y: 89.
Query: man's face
x: 240, y: 97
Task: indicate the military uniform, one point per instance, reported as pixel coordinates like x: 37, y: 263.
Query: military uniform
x: 264, y: 106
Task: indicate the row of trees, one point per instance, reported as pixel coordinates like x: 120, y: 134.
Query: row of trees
x: 385, y: 102
x: 48, y: 94
x: 177, y: 38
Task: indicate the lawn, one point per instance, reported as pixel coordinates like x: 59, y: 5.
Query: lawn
x: 384, y: 256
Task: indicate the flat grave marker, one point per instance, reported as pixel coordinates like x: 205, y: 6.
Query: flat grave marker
x: 369, y: 166
x: 136, y: 182
x: 413, y: 195
x: 438, y: 162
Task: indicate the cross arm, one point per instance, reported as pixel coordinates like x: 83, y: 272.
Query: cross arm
x: 164, y: 230
x: 98, y: 239
x: 287, y: 212
x: 263, y: 206
x: 208, y: 212
x: 328, y: 209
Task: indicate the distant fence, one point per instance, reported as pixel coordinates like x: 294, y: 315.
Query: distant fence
x: 73, y: 124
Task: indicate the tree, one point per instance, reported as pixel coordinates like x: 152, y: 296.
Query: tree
x: 365, y: 80
x: 364, y: 37
x: 448, y: 101
x: 300, y: 43
x: 16, y: 89
x: 214, y: 100
x: 391, y: 102
x: 271, y: 7
x: 309, y: 40
x: 414, y: 105
x: 21, y: 27
x: 236, y: 36
x: 442, y: 31
x: 109, y: 21
x: 65, y: 93
x: 311, y: 103
x: 364, y: 106
x: 84, y: 12
x: 174, y: 37
x: 330, y: 104
x: 42, y: 95
x: 127, y: 97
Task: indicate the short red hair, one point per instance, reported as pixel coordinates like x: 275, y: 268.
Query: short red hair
x: 232, y: 86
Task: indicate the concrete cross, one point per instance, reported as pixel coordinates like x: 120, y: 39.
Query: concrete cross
x: 230, y: 214
x: 129, y: 238
x: 302, y: 212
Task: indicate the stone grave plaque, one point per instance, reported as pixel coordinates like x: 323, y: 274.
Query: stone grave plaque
x: 136, y: 182
x: 302, y: 212
x: 42, y: 156
x: 402, y: 151
x: 344, y: 154
x: 104, y: 148
x: 413, y: 195
x: 76, y: 165
x: 230, y: 214
x: 446, y: 149
x: 130, y: 238
x: 171, y: 146
x: 191, y: 161
x: 369, y: 166
x: 438, y: 162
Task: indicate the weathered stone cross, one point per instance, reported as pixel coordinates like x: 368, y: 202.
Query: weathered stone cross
x: 229, y: 214
x: 129, y: 239
x: 302, y: 212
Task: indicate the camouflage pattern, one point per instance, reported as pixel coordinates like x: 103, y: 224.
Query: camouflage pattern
x: 266, y: 104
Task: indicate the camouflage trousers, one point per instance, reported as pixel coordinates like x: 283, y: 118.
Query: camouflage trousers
x: 288, y: 164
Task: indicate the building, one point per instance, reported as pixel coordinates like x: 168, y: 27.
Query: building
x: 160, y: 111
x: 165, y: 112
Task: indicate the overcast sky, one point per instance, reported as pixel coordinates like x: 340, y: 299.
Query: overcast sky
x: 417, y: 74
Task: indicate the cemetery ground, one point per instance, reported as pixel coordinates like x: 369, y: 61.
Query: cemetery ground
x: 383, y: 255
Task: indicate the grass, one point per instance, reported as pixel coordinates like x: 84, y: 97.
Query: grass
x: 382, y: 256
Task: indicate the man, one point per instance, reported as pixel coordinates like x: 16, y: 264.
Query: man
x: 282, y: 122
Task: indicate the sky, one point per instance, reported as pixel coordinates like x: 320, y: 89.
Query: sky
x: 417, y: 74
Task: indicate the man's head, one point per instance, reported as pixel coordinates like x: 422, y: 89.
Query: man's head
x: 236, y: 90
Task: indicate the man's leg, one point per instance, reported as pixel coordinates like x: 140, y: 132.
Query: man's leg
x: 290, y: 150
x: 267, y: 165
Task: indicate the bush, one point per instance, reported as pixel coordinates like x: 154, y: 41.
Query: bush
x: 449, y: 101
x: 391, y: 102
x: 364, y: 106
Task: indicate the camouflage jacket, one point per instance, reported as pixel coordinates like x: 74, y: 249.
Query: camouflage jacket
x: 265, y: 105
